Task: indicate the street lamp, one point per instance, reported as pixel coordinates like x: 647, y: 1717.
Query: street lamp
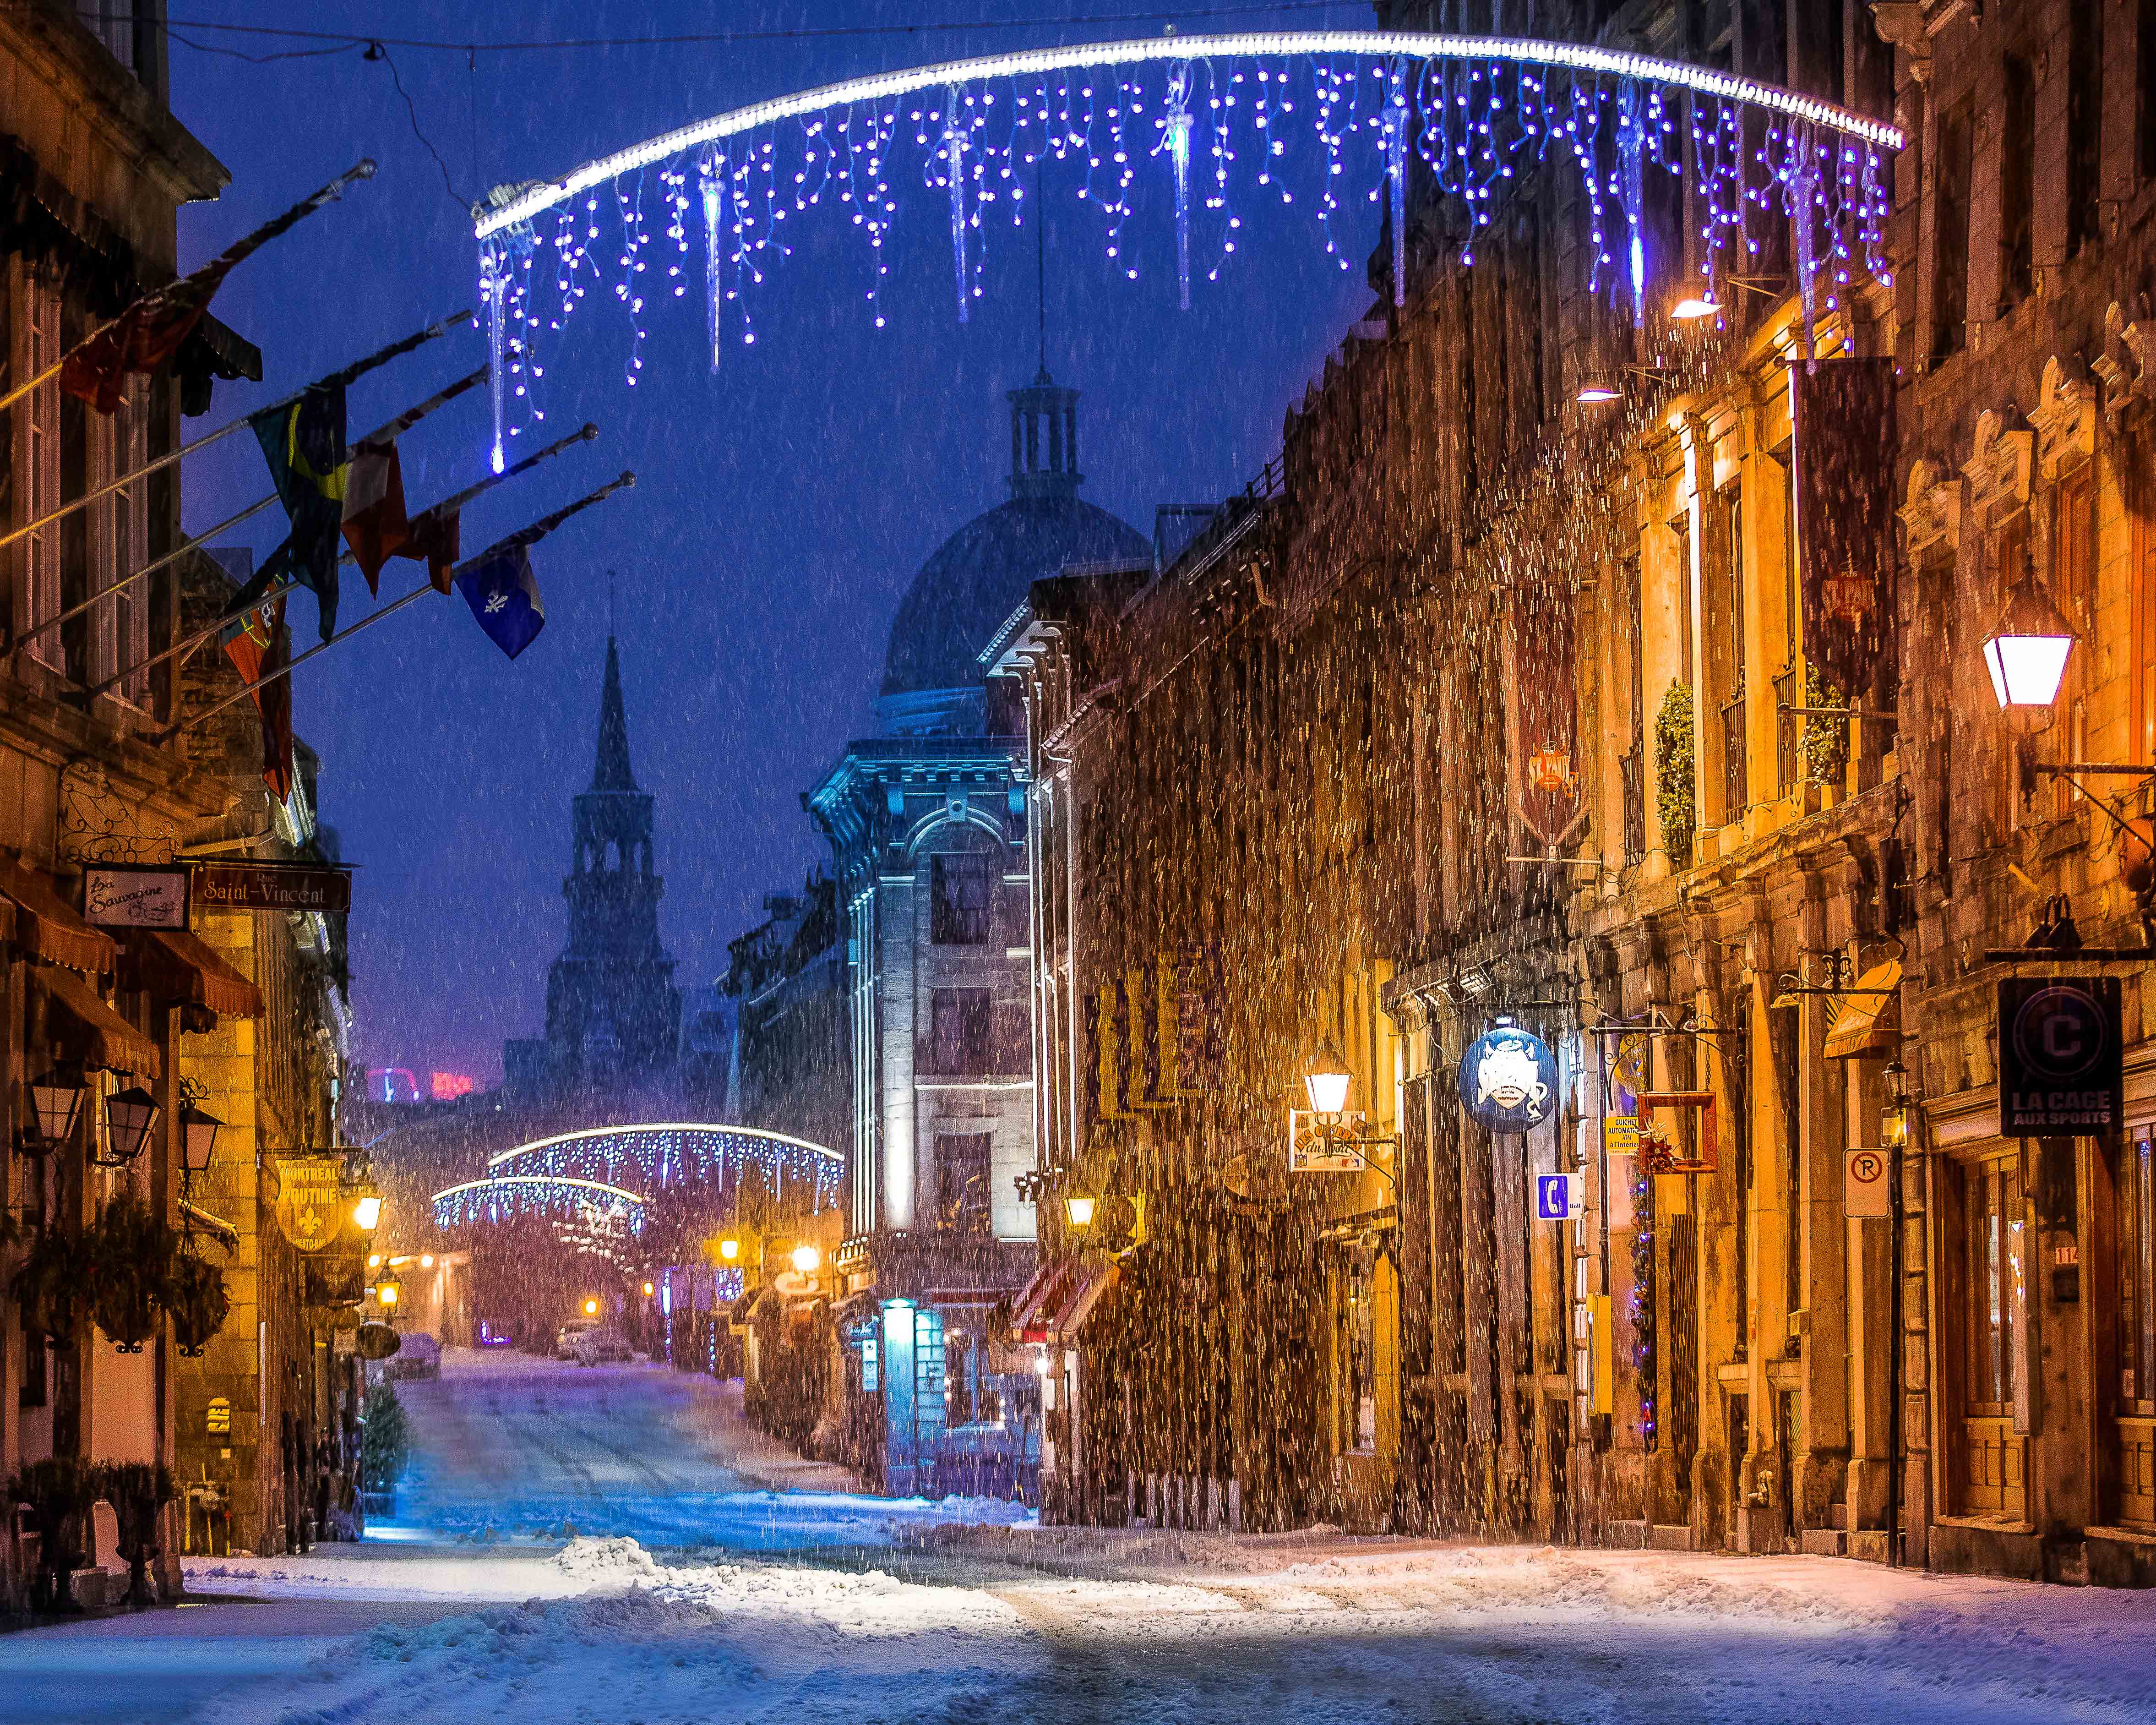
x: 1894, y: 1116
x: 1327, y: 1080
x: 197, y: 1139
x: 591, y: 1308
x: 388, y: 1291
x: 730, y: 1249
x: 806, y: 1258
x: 56, y: 1101
x: 1079, y: 1211
x: 2027, y: 648
x: 367, y: 1212
x: 130, y: 1115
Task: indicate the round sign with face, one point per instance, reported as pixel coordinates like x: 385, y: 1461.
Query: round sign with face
x: 1508, y: 1080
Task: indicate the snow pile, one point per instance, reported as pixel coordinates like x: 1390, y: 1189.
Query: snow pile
x: 605, y: 1563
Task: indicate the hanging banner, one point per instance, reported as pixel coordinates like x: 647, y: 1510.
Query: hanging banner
x: 1546, y: 715
x: 1508, y: 1080
x: 1105, y: 1063
x: 310, y: 1200
x: 1845, y: 417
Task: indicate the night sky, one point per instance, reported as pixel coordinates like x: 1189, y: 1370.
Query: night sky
x: 781, y: 507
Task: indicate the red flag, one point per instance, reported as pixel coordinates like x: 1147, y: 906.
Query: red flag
x: 375, y: 525
x: 436, y: 540
x: 142, y: 339
x: 261, y: 642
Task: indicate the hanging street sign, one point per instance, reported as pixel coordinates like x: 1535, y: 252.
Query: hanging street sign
x: 1508, y: 1080
x: 1867, y: 1190
x: 1311, y: 1149
x: 310, y: 1200
x: 271, y: 886
x: 1560, y: 1198
x: 114, y: 896
x: 2061, y: 1057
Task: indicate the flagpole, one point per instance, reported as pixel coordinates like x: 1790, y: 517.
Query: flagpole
x: 213, y: 271
x: 359, y: 369
x: 528, y: 536
x: 458, y: 501
x: 103, y: 593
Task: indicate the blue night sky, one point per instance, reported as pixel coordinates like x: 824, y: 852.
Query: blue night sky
x: 781, y: 506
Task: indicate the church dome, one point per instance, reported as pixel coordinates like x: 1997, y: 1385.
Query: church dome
x: 981, y: 573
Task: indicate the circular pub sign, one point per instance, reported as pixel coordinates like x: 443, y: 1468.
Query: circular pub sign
x: 1508, y: 1080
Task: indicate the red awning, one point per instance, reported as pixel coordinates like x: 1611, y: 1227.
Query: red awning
x: 1061, y: 1298
x: 182, y: 969
x: 89, y: 1030
x: 46, y: 928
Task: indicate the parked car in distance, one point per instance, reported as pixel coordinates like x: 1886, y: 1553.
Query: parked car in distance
x: 564, y: 1338
x: 420, y: 1356
x: 601, y: 1342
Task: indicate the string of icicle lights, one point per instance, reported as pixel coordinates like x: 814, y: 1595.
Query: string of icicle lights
x: 523, y: 1195
x: 1230, y: 121
x: 664, y: 1154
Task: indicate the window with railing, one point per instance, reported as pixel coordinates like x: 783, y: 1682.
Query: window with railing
x: 1736, y: 754
x: 1632, y: 765
x: 123, y: 620
x: 39, y: 558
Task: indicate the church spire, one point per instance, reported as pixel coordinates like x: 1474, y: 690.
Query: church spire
x: 611, y: 772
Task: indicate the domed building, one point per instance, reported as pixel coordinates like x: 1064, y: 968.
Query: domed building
x: 927, y: 824
x: 933, y: 673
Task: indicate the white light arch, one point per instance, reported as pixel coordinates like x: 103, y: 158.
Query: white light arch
x: 1468, y: 109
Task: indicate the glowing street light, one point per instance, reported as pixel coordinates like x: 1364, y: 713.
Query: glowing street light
x: 806, y: 1258
x: 1327, y: 1080
x: 2027, y: 650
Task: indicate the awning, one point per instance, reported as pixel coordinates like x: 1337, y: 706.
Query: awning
x: 182, y: 969
x: 1061, y: 1297
x: 91, y: 1031
x: 48, y: 929
x: 1867, y: 1023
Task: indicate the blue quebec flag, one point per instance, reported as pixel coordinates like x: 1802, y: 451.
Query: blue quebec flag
x: 505, y: 598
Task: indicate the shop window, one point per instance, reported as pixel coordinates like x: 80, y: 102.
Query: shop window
x: 1993, y: 1314
x: 961, y: 1380
x: 963, y: 1189
x: 961, y: 900
x: 1359, y: 1377
x: 2136, y: 1333
x: 1633, y: 767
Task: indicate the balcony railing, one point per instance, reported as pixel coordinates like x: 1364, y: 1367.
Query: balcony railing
x: 1736, y: 763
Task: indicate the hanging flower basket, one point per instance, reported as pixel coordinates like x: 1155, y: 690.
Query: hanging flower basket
x: 132, y: 1252
x: 197, y: 1300
x: 52, y: 1283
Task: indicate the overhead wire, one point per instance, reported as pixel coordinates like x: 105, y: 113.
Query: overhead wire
x: 344, y: 40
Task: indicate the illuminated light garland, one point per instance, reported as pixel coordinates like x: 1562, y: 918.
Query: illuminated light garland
x: 532, y: 1195
x: 1472, y: 110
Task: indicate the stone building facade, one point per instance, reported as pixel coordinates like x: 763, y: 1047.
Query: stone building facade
x: 93, y: 167
x: 1494, y: 700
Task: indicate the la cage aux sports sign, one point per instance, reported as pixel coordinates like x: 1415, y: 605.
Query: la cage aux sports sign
x: 2061, y: 1059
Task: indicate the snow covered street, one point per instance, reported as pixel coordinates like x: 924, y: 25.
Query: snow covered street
x: 689, y: 1593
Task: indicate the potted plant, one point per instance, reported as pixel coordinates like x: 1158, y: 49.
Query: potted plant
x: 138, y: 1491
x: 59, y: 1491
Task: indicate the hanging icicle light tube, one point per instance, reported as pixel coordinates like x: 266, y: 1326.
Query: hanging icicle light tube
x: 1473, y: 110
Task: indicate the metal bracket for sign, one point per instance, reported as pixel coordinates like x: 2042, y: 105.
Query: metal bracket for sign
x: 2074, y: 955
x: 1889, y: 716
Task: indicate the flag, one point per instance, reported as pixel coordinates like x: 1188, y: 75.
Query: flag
x: 303, y: 442
x: 436, y: 539
x: 256, y: 642
x: 505, y: 598
x: 142, y: 339
x: 375, y: 525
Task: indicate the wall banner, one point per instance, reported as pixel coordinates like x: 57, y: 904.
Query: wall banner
x: 1845, y: 417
